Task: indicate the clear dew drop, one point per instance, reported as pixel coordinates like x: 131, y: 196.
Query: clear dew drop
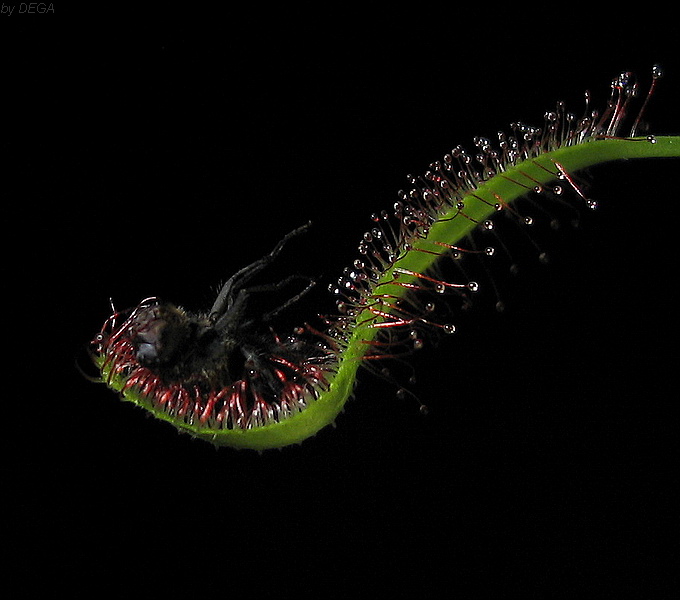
x: 473, y: 286
x: 488, y: 225
x: 449, y: 328
x: 489, y: 250
x: 591, y: 204
x: 440, y: 288
x: 418, y: 344
x: 528, y: 220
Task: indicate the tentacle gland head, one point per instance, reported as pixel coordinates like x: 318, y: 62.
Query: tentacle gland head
x: 226, y: 377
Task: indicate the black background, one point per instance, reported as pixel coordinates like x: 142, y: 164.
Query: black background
x: 153, y: 159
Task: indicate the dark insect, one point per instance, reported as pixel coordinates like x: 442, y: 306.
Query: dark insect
x: 178, y: 345
x: 172, y: 351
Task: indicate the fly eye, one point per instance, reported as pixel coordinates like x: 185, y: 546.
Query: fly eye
x: 147, y: 354
x: 150, y: 344
x: 160, y: 335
